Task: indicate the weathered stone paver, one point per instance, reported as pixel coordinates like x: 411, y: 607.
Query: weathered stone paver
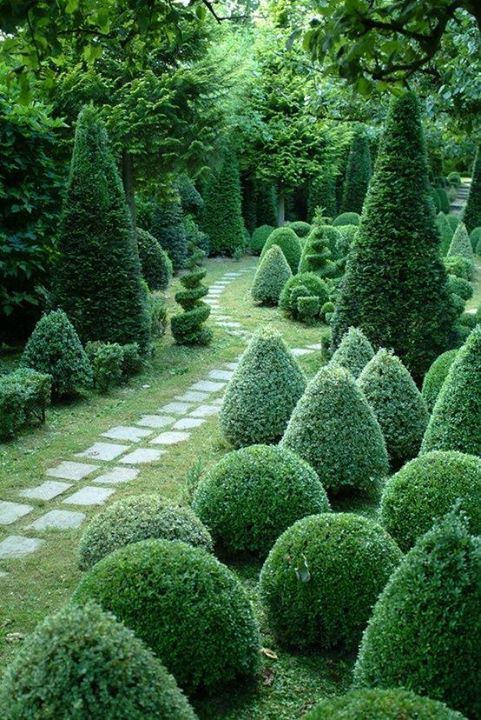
x: 155, y: 421
x: 46, y: 490
x: 218, y: 401
x: 177, y: 408
x: 103, y: 451
x: 221, y: 374
x: 188, y: 423
x: 142, y: 456
x: 126, y: 432
x: 116, y: 476
x: 228, y: 323
x: 58, y: 520
x: 298, y: 352
x: 315, y: 346
x: 171, y: 437
x: 193, y: 396
x: 15, y: 546
x: 232, y: 365
x: 89, y: 495
x: 68, y: 470
x: 205, y: 411
x: 11, y: 511
x: 208, y: 386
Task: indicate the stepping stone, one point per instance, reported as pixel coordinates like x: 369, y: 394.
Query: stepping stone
x: 218, y: 401
x: 178, y: 408
x: 192, y: 396
x: 297, y: 352
x: 232, y: 365
x: 47, y: 490
x: 156, y: 421
x: 103, y: 451
x: 11, y: 511
x: 316, y: 346
x: 212, y: 303
x: 89, y: 495
x: 208, y: 386
x: 58, y: 520
x: 233, y: 323
x: 472, y: 311
x: 224, y: 317
x: 170, y: 438
x: 232, y: 274
x: 15, y: 546
x: 125, y: 432
x: 188, y: 423
x: 116, y: 476
x: 72, y: 470
x: 221, y: 374
x: 141, y: 456
x: 205, y: 411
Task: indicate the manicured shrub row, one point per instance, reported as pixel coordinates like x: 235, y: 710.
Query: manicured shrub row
x: 24, y: 397
x: 271, y: 276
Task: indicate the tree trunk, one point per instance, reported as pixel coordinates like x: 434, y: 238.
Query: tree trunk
x: 128, y: 183
x: 281, y: 205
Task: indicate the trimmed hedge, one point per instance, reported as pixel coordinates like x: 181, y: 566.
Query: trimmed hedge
x: 252, y: 495
x: 323, y: 576
x: 347, y: 218
x: 168, y: 228
x: 460, y: 286
x: 155, y: 263
x: 353, y: 353
x: 259, y: 237
x: 435, y: 377
x: 472, y: 211
x: 358, y: 174
x: 262, y: 392
x: 301, y: 228
x: 188, y: 327
x: 222, y: 219
x: 316, y: 253
x: 188, y: 607
x: 24, y: 398
x: 288, y: 242
x: 271, y: 275
x: 461, y: 244
x: 302, y: 285
x: 459, y: 266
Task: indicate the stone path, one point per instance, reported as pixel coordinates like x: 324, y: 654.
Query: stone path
x: 458, y: 204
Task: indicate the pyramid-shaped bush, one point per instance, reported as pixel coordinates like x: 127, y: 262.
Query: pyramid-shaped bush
x: 358, y: 173
x: 335, y: 430
x: 445, y: 231
x: 424, y: 631
x: 288, y: 242
x: 435, y: 377
x: 397, y: 403
x: 461, y: 244
x: 271, y: 276
x: 316, y: 255
x: 394, y: 288
x: 97, y: 278
x: 472, y: 212
x: 156, y: 264
x: 222, y: 219
x: 262, y: 393
x: 353, y: 353
x: 167, y: 227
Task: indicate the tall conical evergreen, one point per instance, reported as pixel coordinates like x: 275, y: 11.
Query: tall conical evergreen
x: 472, y: 211
x: 168, y: 229
x: 461, y: 244
x: 316, y: 255
x: 358, y: 174
x: 322, y: 194
x: 98, y: 278
x: 445, y: 232
x: 222, y: 219
x: 271, y: 276
x: 354, y: 352
x: 395, y: 286
x: 266, y: 210
x: 188, y: 327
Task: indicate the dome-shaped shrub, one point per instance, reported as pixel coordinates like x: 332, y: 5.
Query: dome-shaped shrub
x: 140, y: 517
x: 323, y: 576
x: 262, y: 392
x: 347, y: 218
x: 353, y: 353
x: 155, y: 263
x: 394, y: 704
x: 425, y: 489
x: 301, y: 228
x: 252, y: 495
x: 424, y: 631
x: 81, y: 663
x: 288, y: 242
x: 475, y: 237
x: 435, y: 377
x: 271, y: 276
x: 302, y: 285
x: 189, y: 608
x: 460, y: 286
x: 397, y: 403
x: 334, y: 428
x: 259, y: 237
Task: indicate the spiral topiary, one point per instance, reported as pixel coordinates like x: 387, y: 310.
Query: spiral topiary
x: 347, y: 218
x: 288, y: 242
x: 252, y: 495
x: 353, y: 353
x: 316, y: 253
x: 155, y: 263
x: 259, y: 237
x: 271, y: 276
x: 302, y: 285
x: 323, y: 576
x: 435, y: 377
x: 188, y: 328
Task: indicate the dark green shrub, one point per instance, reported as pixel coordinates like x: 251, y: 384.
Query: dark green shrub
x: 346, y: 236
x: 106, y: 360
x: 418, y: 636
x: 475, y: 237
x: 322, y: 194
x: 188, y: 328
x: 435, y: 377
x: 472, y: 211
x: 139, y: 517
x: 425, y: 489
x: 262, y: 393
x: 461, y: 287
x: 194, y: 235
x: 335, y: 430
x: 454, y: 178
x: 288, y: 242
x: 443, y: 199
x: 266, y: 204
x: 308, y: 309
x: 24, y: 398
x: 155, y: 263
x: 158, y: 315
x: 358, y: 174
x: 222, y: 218
x: 168, y: 228
x: 259, y: 237
x: 97, y: 278
x: 271, y: 275
x: 12, y: 407
x: 458, y: 304
x: 332, y: 234
x: 461, y: 244
x: 54, y: 349
x: 190, y: 198
x: 132, y: 362
x: 82, y: 663
x: 468, y: 320
x: 323, y: 576
x: 347, y: 218
x: 248, y: 201
x: 446, y: 233
x: 189, y: 608
x: 458, y: 266
x: 301, y: 228
x: 316, y: 253
x: 302, y: 285
x: 252, y: 495
x: 353, y: 353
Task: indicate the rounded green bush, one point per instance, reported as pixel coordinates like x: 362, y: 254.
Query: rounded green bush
x: 323, y: 576
x: 460, y: 286
x: 140, y: 517
x: 475, y: 237
x: 259, y: 237
x: 425, y: 489
x: 347, y: 218
x: 81, y: 663
x: 302, y: 285
x: 301, y: 228
x: 394, y: 704
x: 271, y: 276
x: 353, y: 353
x: 454, y: 178
x: 287, y: 240
x: 155, y: 263
x: 188, y: 607
x: 435, y: 377
x: 252, y: 495
x: 459, y: 266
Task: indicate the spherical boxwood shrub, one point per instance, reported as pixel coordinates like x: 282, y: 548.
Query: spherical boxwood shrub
x: 140, y: 517
x: 459, y: 266
x: 394, y: 704
x: 323, y: 576
x: 301, y: 228
x: 347, y: 218
x: 259, y: 237
x: 252, y: 495
x: 156, y: 264
x: 425, y: 489
x: 262, y: 392
x: 302, y: 285
x: 424, y: 631
x: 353, y: 353
x: 435, y: 377
x: 188, y: 607
x: 82, y: 663
x: 459, y: 286
x: 288, y: 242
x: 271, y: 276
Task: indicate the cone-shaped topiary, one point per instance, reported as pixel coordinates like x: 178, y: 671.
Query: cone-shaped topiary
x: 397, y: 403
x: 382, y: 705
x: 97, y: 276
x: 353, y: 353
x: 288, y: 242
x: 190, y: 609
x: 302, y: 285
x: 168, y: 228
x: 82, y: 663
x: 316, y: 253
x: 347, y: 218
x: 456, y: 420
x: 417, y: 637
x: 266, y: 210
x: 435, y: 377
x: 188, y: 328
x: 445, y: 231
x: 472, y: 211
x: 252, y: 495
x: 262, y: 393
x: 358, y: 173
x: 156, y: 264
x: 54, y: 348
x: 461, y: 244
x: 335, y: 430
x: 222, y: 218
x: 426, y: 489
x: 394, y: 287
x: 271, y: 276
x: 323, y: 576
x: 259, y: 237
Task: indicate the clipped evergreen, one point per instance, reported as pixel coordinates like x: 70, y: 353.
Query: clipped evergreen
x: 222, y: 218
x: 353, y: 353
x: 288, y: 242
x: 394, y: 288
x: 262, y: 392
x: 345, y: 240
x: 460, y: 287
x: 322, y: 194
x: 424, y: 630
x: 475, y: 237
x: 301, y: 228
x: 271, y: 276
x: 446, y: 233
x: 155, y: 263
x: 259, y: 237
x: 168, y: 228
x: 316, y: 253
x: 472, y: 211
x: 302, y: 285
x: 358, y: 173
x: 190, y: 198
x: 97, y: 276
x: 335, y: 430
x: 461, y: 244
x: 347, y: 218
x: 266, y: 205
x: 188, y: 327
x: 435, y: 377
x: 459, y: 266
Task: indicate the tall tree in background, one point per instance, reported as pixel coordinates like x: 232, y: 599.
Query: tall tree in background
x: 222, y: 219
x: 472, y: 212
x: 358, y: 173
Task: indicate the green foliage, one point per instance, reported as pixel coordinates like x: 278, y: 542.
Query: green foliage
x: 82, y: 663
x: 475, y: 237
x: 458, y: 266
x: 266, y: 206
x: 322, y: 193
x: 353, y: 353
x: 460, y: 287
x: 249, y: 192
x: 106, y: 360
x: 262, y: 393
x: 308, y: 309
x: 24, y: 398
x: 301, y: 228
x: 345, y: 239
x: 155, y: 263
x: 132, y: 362
x: 188, y: 607
x: 190, y: 199
x: 135, y: 518
x: 417, y: 636
x: 336, y: 431
x: 316, y: 253
x: 168, y: 229
x: 288, y: 242
x: 222, y: 218
x: 358, y: 174
x: 453, y: 221
x: 472, y: 211
x: 252, y: 495
x: 188, y: 328
x: 446, y: 233
x: 259, y: 237
x: 443, y: 199
x: 454, y: 179
x: 322, y: 578
x: 158, y: 315
x: 461, y: 244
x: 271, y: 276
x: 194, y: 235
x: 435, y: 377
x: 347, y: 218
x: 302, y: 285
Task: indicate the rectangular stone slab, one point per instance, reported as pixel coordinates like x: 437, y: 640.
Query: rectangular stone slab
x: 11, y: 511
x: 89, y: 495
x: 156, y: 421
x: 192, y: 396
x: 141, y: 456
x: 177, y: 408
x: 103, y: 451
x: 68, y: 470
x: 188, y: 423
x: 116, y: 476
x: 46, y: 491
x: 15, y: 546
x: 170, y: 438
x: 208, y: 386
x: 205, y: 411
x: 221, y: 374
x: 126, y: 432
x: 58, y: 520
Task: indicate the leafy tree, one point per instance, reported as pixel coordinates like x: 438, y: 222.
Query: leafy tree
x: 222, y: 218
x: 358, y: 174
